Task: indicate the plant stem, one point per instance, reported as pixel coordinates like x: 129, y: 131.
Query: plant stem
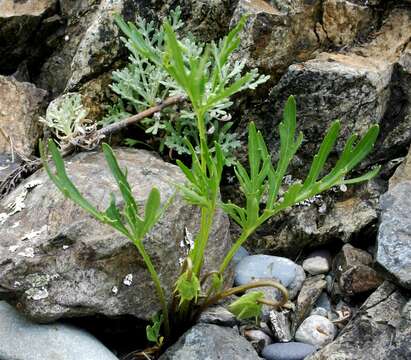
x: 243, y: 237
x: 243, y: 288
x: 157, y: 283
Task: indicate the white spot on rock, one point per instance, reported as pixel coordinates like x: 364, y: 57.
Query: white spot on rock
x: 128, y: 280
x: 27, y: 252
x: 37, y: 294
x: 114, y: 290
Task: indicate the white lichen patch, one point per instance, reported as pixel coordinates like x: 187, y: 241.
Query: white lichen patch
x: 27, y: 252
x: 65, y: 247
x: 13, y: 248
x: 37, y: 294
x: 114, y: 290
x: 128, y: 280
x: 18, y: 204
x: 34, y: 233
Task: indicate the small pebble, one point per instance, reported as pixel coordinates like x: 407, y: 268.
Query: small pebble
x: 316, y: 330
x: 287, y: 351
x: 258, y: 336
x: 318, y: 262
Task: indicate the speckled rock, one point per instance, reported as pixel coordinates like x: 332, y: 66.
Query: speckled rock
x: 354, y: 271
x: 21, y: 339
x: 204, y: 341
x: 317, y: 331
x: 380, y: 330
x: 256, y: 267
x: 288, y: 351
x: 94, y: 270
x: 345, y: 21
x: 317, y: 262
x: 277, y: 33
x: 20, y: 105
x: 394, y: 234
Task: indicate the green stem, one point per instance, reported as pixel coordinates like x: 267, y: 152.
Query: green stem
x: 243, y: 288
x: 157, y: 283
x: 240, y: 241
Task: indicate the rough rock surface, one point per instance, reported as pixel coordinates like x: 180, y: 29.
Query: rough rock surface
x: 310, y: 292
x: 277, y: 33
x: 20, y: 105
x: 367, y: 84
x: 204, y: 341
x: 288, y: 351
x: 344, y: 21
x: 381, y: 330
x: 21, y: 339
x: 354, y: 271
x: 21, y: 30
x: 62, y: 263
x: 394, y: 233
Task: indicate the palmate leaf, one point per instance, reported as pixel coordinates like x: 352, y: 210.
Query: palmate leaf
x: 247, y: 306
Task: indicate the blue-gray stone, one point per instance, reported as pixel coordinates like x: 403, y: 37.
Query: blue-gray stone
x: 21, y: 339
x: 240, y: 254
x: 284, y: 270
x: 287, y: 351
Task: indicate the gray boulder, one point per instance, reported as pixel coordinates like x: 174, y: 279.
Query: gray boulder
x: 206, y: 341
x: 381, y: 330
x: 394, y: 234
x: 57, y: 261
x: 21, y: 339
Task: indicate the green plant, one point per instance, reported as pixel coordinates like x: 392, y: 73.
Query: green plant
x: 66, y: 117
x: 202, y: 77
x: 145, y: 82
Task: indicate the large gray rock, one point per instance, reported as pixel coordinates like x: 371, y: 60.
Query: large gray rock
x: 394, y: 234
x: 57, y: 261
x: 20, y: 105
x: 205, y: 341
x: 21, y: 339
x: 381, y: 330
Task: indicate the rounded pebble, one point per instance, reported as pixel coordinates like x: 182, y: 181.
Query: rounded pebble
x: 316, y: 330
x: 287, y: 351
x: 284, y: 270
x: 318, y: 262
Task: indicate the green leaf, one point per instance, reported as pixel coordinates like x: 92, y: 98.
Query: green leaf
x: 246, y: 306
x: 153, y: 331
x: 188, y: 287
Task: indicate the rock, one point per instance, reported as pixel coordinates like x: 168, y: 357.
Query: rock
x: 276, y: 36
x: 94, y: 269
x: 21, y: 339
x: 318, y: 262
x: 363, y: 86
x: 344, y: 21
x: 258, y: 338
x: 239, y: 255
x: 316, y: 330
x: 280, y: 325
x: 205, y: 341
x: 21, y: 31
x: 256, y: 267
x: 323, y: 302
x: 403, y: 172
x: 218, y: 315
x: 7, y: 166
x: 310, y: 292
x: 394, y: 234
x: 20, y: 106
x: 288, y: 351
x: 321, y: 312
x: 354, y: 272
x: 380, y: 330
